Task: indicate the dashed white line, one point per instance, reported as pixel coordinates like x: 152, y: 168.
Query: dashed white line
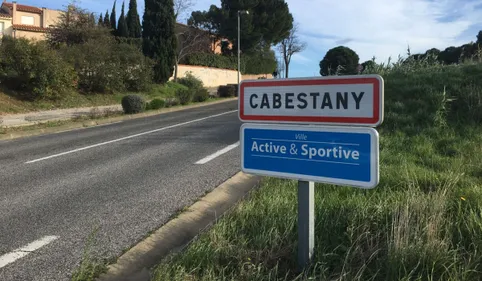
x: 129, y: 137
x: 217, y: 153
x: 25, y: 250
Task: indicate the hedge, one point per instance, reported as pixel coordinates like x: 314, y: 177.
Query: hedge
x: 250, y: 64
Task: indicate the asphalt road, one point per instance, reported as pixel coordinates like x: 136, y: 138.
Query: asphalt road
x: 114, y: 183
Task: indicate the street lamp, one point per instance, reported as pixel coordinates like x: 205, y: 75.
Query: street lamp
x: 239, y: 43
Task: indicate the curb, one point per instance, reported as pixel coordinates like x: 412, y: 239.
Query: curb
x: 180, y: 231
x: 101, y: 121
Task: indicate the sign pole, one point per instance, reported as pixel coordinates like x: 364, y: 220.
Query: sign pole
x: 306, y: 222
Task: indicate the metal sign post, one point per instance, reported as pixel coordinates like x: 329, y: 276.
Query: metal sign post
x: 306, y: 222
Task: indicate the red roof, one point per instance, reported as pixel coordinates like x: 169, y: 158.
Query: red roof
x: 4, y: 14
x: 29, y: 28
x: 24, y: 8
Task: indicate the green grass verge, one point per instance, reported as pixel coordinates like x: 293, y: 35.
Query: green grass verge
x: 11, y: 105
x: 423, y: 221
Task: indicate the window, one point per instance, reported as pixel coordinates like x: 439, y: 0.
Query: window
x: 27, y: 20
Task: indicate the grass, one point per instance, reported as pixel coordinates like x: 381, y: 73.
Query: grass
x: 11, y: 105
x: 422, y: 222
x: 90, y: 268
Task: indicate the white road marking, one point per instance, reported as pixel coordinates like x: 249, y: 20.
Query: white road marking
x: 129, y: 137
x: 217, y: 153
x: 25, y: 250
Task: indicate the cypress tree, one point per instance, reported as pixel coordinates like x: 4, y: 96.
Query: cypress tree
x: 113, y: 23
x: 106, y: 20
x: 122, y: 26
x: 101, y: 20
x: 159, y: 40
x: 92, y: 19
x: 133, y: 21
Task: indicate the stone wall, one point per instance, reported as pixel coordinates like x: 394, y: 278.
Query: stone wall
x: 214, y: 77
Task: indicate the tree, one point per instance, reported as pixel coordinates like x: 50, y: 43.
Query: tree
x: 369, y: 64
x: 74, y: 27
x: 113, y: 23
x: 159, y: 38
x: 451, y: 55
x: 181, y: 7
x: 209, y: 21
x: 101, y: 20
x: 339, y: 60
x: 92, y: 19
x: 122, y: 30
x: 106, y: 20
x: 290, y: 46
x: 190, y: 40
x: 268, y: 21
x: 132, y: 20
x: 479, y: 37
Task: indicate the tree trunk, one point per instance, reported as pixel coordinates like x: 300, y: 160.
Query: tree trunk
x: 287, y: 64
x: 175, y: 71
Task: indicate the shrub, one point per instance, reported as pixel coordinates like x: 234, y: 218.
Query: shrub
x: 167, y: 90
x: 257, y: 63
x: 105, y: 66
x: 190, y: 81
x: 201, y: 95
x: 227, y: 91
x: 34, y: 70
x: 133, y: 104
x: 157, y: 104
x: 185, y: 96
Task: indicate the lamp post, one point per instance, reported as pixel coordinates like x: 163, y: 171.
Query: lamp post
x: 239, y: 43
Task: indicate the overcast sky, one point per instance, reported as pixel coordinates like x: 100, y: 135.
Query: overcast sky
x: 380, y: 28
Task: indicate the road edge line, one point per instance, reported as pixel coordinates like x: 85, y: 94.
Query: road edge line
x: 180, y: 231
x: 102, y: 121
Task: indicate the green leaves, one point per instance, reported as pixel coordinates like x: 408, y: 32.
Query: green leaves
x: 339, y: 60
x: 159, y: 40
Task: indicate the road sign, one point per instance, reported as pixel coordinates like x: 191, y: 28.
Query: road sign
x: 343, y: 100
x: 335, y: 155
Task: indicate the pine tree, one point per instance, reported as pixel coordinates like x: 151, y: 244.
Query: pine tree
x: 113, y: 23
x: 159, y: 40
x: 106, y: 20
x: 101, y: 20
x: 133, y: 22
x: 122, y: 30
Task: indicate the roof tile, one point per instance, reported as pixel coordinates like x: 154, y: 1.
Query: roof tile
x: 24, y: 8
x: 29, y: 28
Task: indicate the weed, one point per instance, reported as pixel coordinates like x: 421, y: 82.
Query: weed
x: 89, y: 268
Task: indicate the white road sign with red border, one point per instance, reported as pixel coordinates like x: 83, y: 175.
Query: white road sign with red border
x: 336, y: 100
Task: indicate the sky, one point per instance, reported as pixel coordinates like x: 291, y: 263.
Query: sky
x: 372, y: 28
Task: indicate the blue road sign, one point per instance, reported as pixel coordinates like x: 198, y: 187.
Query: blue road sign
x: 334, y: 155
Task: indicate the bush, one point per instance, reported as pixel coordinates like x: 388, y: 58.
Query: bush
x: 34, y: 70
x: 201, y: 95
x: 185, y: 96
x: 157, y: 104
x: 105, y: 66
x: 133, y: 104
x: 227, y: 91
x: 259, y: 63
x: 190, y: 81
x: 165, y: 91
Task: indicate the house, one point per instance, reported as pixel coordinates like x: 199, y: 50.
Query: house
x: 214, y: 42
x: 31, y: 22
